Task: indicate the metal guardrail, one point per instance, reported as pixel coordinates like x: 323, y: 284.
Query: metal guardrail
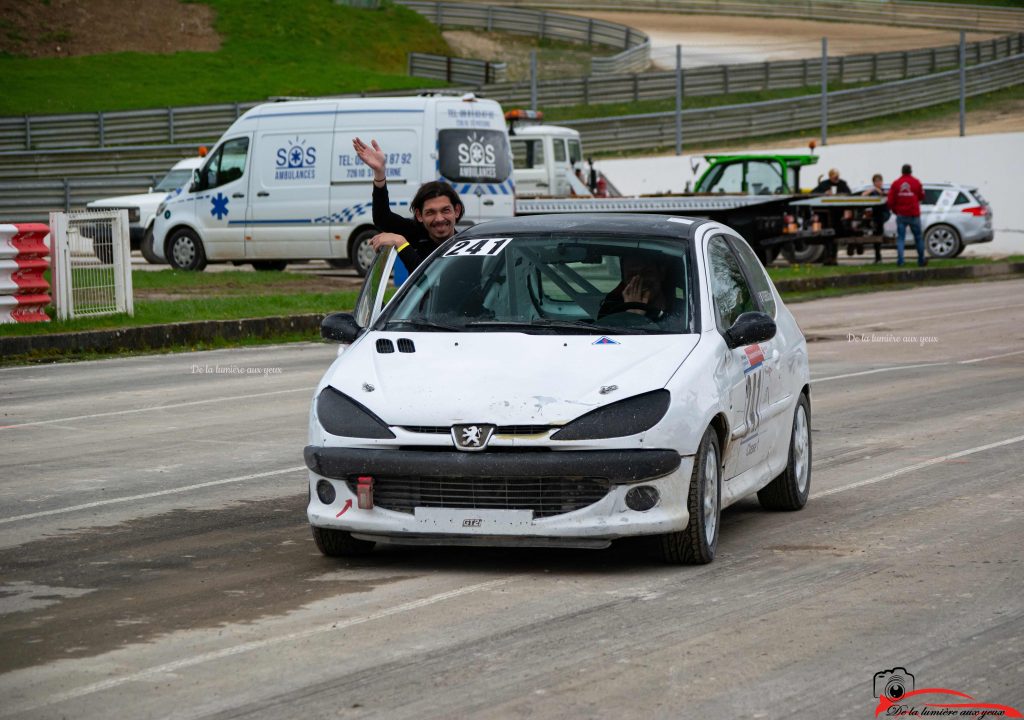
x: 657, y: 130
x: 938, y: 15
x: 30, y: 201
x: 457, y: 70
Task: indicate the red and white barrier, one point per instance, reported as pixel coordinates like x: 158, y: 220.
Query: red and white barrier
x: 24, y: 291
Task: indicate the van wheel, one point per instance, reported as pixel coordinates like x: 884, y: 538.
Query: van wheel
x: 146, y: 247
x: 697, y: 542
x: 339, y: 543
x: 361, y: 253
x: 184, y: 251
x: 272, y: 265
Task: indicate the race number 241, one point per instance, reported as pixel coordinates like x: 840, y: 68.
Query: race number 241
x: 491, y: 246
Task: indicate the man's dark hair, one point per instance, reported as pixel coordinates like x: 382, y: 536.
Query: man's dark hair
x: 907, y: 169
x: 436, y: 189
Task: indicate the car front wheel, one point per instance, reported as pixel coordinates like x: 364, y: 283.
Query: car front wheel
x: 184, y: 251
x: 339, y: 543
x: 696, y: 544
x: 943, y: 241
x: 789, y: 491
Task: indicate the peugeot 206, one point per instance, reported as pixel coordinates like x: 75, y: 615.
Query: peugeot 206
x: 561, y: 381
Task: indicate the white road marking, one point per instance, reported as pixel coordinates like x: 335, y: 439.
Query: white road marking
x: 991, y: 357
x: 227, y: 652
x: 918, y: 466
x: 144, y: 496
x: 113, y: 413
x: 877, y: 370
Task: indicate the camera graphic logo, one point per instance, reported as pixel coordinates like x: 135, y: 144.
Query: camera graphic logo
x: 893, y: 684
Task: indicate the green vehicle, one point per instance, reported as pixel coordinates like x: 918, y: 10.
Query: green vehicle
x: 749, y: 174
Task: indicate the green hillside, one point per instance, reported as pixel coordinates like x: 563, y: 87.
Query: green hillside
x: 270, y: 47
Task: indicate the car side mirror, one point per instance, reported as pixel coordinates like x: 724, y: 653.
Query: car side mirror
x: 750, y: 328
x: 340, y: 327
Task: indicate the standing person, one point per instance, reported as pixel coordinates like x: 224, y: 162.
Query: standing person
x: 591, y: 176
x: 832, y: 185
x: 879, y: 213
x: 905, y: 198
x: 436, y: 207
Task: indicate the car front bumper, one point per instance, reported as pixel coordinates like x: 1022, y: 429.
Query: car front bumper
x: 593, y: 525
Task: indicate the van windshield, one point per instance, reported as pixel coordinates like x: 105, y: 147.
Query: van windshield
x: 174, y: 180
x: 566, y: 284
x: 470, y: 155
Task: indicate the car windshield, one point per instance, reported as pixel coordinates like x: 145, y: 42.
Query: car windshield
x: 174, y: 180
x: 563, y: 284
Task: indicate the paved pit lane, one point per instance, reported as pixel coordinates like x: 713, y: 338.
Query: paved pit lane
x: 155, y: 560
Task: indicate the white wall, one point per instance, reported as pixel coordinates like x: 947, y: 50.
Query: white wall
x: 993, y: 163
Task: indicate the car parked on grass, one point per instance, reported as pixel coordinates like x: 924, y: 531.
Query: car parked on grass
x: 561, y: 381
x: 142, y: 207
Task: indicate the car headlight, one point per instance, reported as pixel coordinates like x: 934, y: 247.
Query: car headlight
x: 341, y: 415
x: 160, y: 209
x: 625, y: 417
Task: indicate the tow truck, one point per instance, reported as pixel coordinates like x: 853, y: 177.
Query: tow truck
x: 749, y: 192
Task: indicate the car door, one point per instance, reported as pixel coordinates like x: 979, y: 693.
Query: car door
x: 741, y: 372
x: 220, y: 198
x: 531, y: 173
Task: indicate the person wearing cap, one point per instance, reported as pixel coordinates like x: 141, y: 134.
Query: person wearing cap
x: 905, y: 196
x: 436, y: 208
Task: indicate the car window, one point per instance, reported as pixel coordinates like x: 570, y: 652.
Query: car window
x: 756, y: 275
x: 931, y: 196
x: 559, y: 149
x: 226, y: 164
x: 527, y: 153
x: 575, y: 152
x: 764, y: 178
x: 591, y: 284
x: 961, y: 199
x: 725, y: 179
x: 729, y: 288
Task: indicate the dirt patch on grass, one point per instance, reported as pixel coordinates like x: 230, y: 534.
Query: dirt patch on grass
x: 554, y: 59
x: 64, y: 28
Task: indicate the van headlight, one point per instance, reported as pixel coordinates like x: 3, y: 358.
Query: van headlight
x: 341, y: 415
x: 626, y: 417
x: 160, y: 209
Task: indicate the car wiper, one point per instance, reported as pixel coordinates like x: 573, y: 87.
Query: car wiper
x: 423, y: 325
x: 579, y: 326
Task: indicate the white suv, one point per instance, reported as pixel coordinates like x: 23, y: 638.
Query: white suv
x: 142, y: 208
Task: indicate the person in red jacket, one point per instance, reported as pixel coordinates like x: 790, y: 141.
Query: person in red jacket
x: 904, y: 200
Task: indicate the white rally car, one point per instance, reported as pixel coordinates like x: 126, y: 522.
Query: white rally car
x: 561, y: 381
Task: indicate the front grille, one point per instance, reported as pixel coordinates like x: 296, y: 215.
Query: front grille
x: 500, y: 430
x: 546, y: 496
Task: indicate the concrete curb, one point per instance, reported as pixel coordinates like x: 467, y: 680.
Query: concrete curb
x: 157, y: 337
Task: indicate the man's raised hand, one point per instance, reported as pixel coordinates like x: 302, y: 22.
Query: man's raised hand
x: 372, y: 155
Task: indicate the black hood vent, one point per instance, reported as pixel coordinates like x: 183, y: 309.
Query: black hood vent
x: 405, y: 345
x: 386, y: 346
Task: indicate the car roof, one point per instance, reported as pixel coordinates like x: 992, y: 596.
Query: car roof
x: 666, y: 226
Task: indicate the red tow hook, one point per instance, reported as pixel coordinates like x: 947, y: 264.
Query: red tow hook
x: 364, y: 491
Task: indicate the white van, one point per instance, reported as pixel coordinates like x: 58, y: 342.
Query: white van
x: 284, y: 183
x: 546, y: 157
x: 142, y: 207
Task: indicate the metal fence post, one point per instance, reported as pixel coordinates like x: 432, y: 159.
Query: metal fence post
x: 934, y: 61
x: 28, y: 132
x: 533, y: 79
x: 586, y: 90
x: 963, y: 83
x: 679, y: 99
x: 767, y: 75
x: 170, y: 125
x: 99, y: 124
x: 725, y: 79
x: 807, y: 73
x: 824, y: 91
x: 490, y: 18
x: 906, y: 64
x: 67, y: 195
x: 636, y: 87
x: 238, y: 111
x: 590, y: 31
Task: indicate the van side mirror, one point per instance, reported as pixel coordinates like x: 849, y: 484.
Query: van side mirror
x: 340, y: 327
x: 750, y: 328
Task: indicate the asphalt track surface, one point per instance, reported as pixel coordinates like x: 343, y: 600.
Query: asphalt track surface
x: 155, y: 560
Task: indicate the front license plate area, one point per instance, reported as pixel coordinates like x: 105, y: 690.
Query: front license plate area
x: 467, y: 520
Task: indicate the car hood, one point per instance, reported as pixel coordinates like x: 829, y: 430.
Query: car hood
x: 503, y: 378
x: 126, y: 200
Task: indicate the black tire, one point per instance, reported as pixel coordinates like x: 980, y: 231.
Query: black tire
x: 146, y: 248
x: 339, y: 543
x: 360, y: 252
x: 184, y: 251
x: 697, y: 543
x: 269, y: 265
x: 338, y: 263
x: 802, y: 252
x: 789, y: 491
x: 943, y: 242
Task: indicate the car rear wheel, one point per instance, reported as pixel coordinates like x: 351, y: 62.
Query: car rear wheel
x: 789, y: 490
x: 146, y: 248
x: 361, y: 252
x: 184, y: 251
x: 339, y: 543
x: 696, y: 544
x: 943, y: 241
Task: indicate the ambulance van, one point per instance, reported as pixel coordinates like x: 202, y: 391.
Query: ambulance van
x: 284, y: 183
